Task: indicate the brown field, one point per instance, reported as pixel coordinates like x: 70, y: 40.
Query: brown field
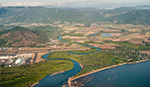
x: 147, y: 34
x: 116, y: 34
x: 133, y: 36
x: 145, y: 52
x: 77, y: 39
x: 136, y: 41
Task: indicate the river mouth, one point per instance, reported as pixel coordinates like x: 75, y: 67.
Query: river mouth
x: 60, y: 79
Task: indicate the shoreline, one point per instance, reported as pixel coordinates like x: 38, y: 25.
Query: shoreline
x: 92, y: 72
x: 35, y: 84
x: 56, y: 73
x: 52, y: 75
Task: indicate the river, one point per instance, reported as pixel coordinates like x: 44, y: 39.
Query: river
x: 61, y: 79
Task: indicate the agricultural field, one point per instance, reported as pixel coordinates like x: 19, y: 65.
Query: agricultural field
x: 100, y: 34
x: 124, y: 45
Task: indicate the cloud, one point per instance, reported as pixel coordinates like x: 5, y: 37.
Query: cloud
x: 85, y: 3
x: 24, y: 4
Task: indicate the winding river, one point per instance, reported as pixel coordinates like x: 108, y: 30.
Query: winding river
x: 128, y: 75
x: 60, y: 79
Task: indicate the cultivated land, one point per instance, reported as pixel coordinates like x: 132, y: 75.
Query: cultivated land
x: 128, y: 43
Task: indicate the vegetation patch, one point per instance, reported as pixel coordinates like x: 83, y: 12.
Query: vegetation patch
x: 130, y: 45
x: 25, y: 76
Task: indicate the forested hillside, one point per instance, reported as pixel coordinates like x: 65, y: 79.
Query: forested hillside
x: 135, y: 17
x: 29, y: 15
x: 20, y: 36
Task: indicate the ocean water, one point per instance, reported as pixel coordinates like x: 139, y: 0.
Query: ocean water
x: 128, y: 75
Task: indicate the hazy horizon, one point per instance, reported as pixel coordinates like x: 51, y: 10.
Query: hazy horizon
x: 75, y: 3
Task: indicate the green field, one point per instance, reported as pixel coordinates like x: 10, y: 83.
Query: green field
x: 130, y: 45
x: 85, y: 51
x: 25, y: 76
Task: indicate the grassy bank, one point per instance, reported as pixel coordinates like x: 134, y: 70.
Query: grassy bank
x: 85, y: 51
x: 130, y: 45
x: 24, y: 76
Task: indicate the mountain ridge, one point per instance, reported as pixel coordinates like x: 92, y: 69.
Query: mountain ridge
x: 29, y: 15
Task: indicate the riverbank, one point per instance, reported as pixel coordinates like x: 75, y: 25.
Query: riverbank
x: 34, y: 84
x: 92, y: 72
x: 50, y: 75
x: 56, y: 73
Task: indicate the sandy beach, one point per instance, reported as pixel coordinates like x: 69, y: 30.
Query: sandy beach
x: 34, y: 84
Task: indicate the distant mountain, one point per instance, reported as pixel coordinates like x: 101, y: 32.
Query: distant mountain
x: 3, y: 10
x: 49, y: 15
x: 134, y: 17
x: 27, y: 15
x: 18, y: 36
x: 117, y: 11
x: 143, y: 7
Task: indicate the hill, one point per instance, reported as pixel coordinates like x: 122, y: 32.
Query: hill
x: 28, y: 15
x: 33, y: 36
x: 48, y: 15
x: 18, y: 36
x: 134, y: 17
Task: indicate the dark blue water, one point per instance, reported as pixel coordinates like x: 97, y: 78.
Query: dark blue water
x: 132, y: 75
x: 106, y: 35
x: 94, y: 34
x: 60, y: 79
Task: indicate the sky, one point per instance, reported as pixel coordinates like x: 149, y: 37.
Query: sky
x: 75, y: 3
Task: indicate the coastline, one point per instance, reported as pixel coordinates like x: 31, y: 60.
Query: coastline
x: 35, y: 84
x: 92, y: 72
